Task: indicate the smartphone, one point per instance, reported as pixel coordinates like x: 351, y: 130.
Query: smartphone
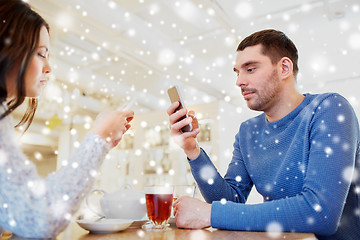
x: 174, y: 96
x: 128, y: 105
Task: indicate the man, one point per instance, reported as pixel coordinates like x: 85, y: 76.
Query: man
x: 300, y: 153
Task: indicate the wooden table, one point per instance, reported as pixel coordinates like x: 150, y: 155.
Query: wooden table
x: 75, y: 232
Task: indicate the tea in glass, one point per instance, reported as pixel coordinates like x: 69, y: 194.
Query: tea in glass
x: 159, y: 204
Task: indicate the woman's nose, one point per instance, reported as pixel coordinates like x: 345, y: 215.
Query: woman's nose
x: 47, y: 68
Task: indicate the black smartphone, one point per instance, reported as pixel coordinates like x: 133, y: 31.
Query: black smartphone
x: 174, y: 96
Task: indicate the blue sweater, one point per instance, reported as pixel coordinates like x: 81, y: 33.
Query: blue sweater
x: 302, y: 165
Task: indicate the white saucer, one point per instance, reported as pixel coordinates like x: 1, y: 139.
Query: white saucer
x: 104, y: 225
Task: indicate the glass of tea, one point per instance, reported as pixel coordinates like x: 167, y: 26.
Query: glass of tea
x: 159, y: 201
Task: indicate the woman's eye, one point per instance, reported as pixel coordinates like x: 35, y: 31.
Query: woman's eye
x: 41, y: 55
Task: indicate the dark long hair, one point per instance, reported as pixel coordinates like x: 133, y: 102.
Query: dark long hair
x: 19, y: 39
x: 275, y: 45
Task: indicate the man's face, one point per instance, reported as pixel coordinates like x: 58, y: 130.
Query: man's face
x: 258, y: 78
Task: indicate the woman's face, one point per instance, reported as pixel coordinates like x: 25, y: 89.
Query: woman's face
x: 39, y: 67
x: 35, y: 77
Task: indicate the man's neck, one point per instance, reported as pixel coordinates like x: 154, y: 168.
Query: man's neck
x: 284, y: 106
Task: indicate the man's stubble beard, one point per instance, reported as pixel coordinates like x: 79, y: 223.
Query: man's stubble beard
x: 267, y: 95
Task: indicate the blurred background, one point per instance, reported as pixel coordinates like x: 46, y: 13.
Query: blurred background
x: 104, y: 53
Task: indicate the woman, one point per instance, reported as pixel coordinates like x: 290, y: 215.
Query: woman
x: 31, y: 206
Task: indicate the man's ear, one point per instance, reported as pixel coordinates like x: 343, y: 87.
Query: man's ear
x: 286, y: 66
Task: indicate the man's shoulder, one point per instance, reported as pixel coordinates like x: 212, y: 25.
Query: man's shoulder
x: 325, y: 98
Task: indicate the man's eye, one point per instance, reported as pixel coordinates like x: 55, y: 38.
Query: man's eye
x: 251, y: 69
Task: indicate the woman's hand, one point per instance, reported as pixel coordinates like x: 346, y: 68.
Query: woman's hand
x: 111, y: 125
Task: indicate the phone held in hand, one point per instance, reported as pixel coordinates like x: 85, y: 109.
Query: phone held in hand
x: 174, y: 96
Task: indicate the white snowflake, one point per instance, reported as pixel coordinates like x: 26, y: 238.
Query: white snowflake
x: 274, y: 229
x: 195, y: 235
x: 244, y: 9
x: 166, y: 57
x: 328, y: 150
x: 207, y: 173
x: 3, y: 158
x: 340, y: 118
x: 38, y: 187
x: 357, y: 212
x: 12, y: 223
x: 336, y: 139
x: 354, y: 41
x: 58, y: 209
x: 65, y: 197
x: 317, y: 208
x: 310, y: 220
x: 349, y: 174
x: 67, y: 216
x: 75, y: 165
x: 268, y: 187
x: 140, y: 233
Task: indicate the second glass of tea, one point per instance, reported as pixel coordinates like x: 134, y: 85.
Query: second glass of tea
x: 159, y: 201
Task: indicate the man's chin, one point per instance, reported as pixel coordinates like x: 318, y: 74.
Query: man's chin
x: 253, y: 107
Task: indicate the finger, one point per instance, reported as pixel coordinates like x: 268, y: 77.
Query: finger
x: 195, y: 123
x: 172, y: 108
x: 127, y: 113
x: 193, y: 133
x: 191, y: 113
x: 179, y: 125
x: 175, y: 203
x: 177, y: 115
x: 115, y: 142
x: 129, y: 119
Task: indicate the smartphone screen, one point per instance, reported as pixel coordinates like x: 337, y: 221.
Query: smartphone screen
x: 174, y: 96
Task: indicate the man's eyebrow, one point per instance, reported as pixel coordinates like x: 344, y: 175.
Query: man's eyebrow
x: 248, y: 63
x: 244, y: 65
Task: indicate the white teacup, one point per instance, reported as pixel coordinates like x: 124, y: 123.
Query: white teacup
x: 126, y: 203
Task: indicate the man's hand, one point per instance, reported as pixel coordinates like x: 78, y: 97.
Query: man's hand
x: 186, y: 140
x: 192, y: 213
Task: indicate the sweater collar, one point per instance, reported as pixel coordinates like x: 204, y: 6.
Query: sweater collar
x: 292, y: 114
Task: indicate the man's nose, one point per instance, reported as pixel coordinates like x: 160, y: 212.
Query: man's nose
x: 241, y: 80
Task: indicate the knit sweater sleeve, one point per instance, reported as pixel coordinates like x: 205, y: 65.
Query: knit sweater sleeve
x: 236, y: 184
x: 35, y: 207
x: 333, y: 143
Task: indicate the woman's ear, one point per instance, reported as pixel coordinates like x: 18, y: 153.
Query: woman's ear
x: 286, y: 67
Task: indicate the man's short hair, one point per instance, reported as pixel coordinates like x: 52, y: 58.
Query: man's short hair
x: 275, y: 45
